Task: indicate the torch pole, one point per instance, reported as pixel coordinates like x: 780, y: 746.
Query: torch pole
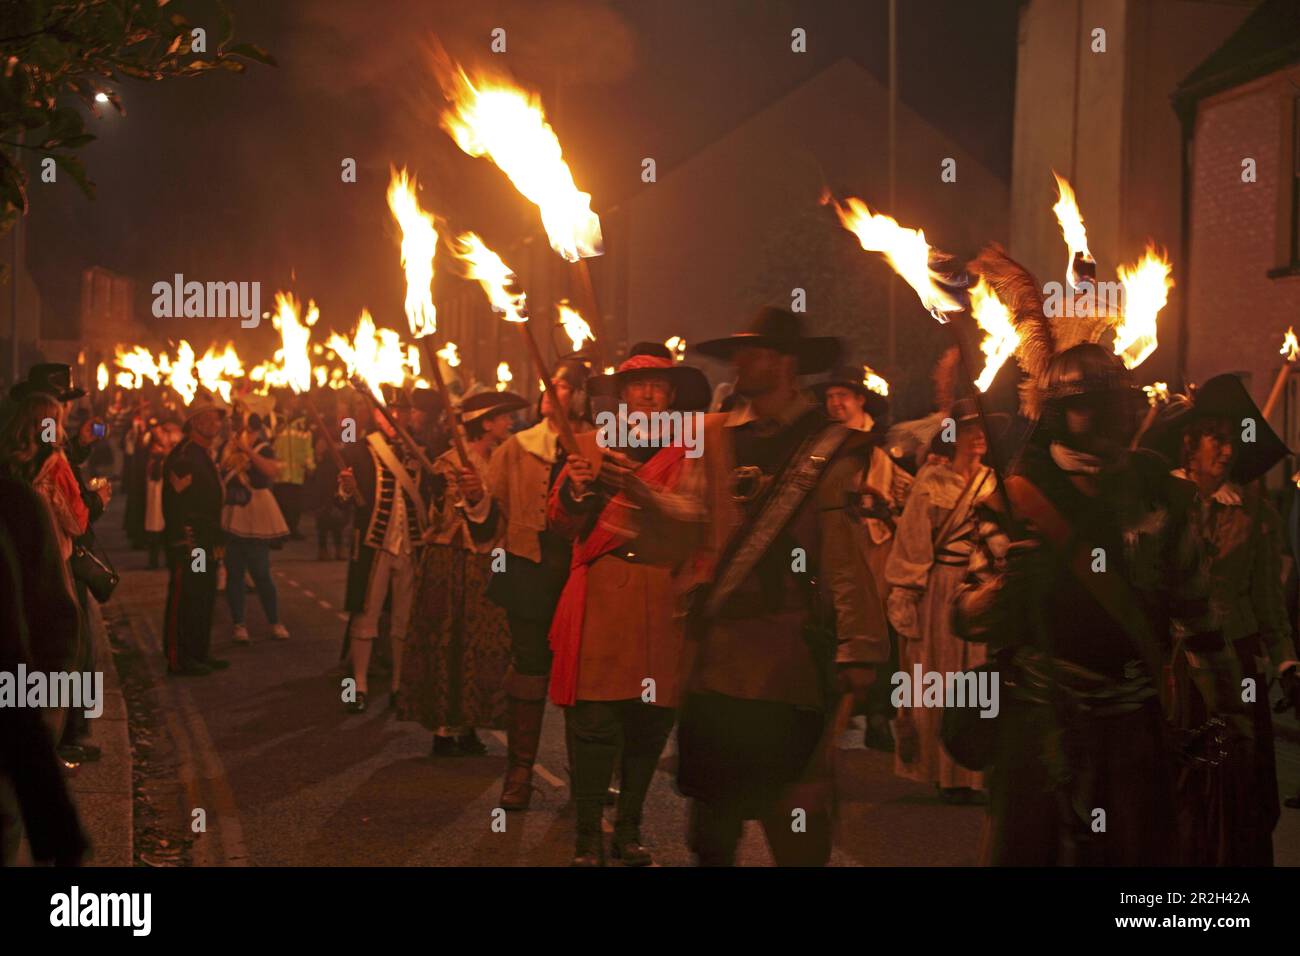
x: 592, y: 308
x: 456, y: 438
x: 402, y: 433
x: 1147, y: 421
x: 559, y: 412
x: 1278, y: 384
x: 335, y: 452
x: 977, y: 397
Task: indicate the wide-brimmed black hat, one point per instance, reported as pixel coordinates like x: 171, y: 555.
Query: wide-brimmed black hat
x: 490, y: 403
x: 48, y: 378
x: 691, y: 390
x: 1224, y: 396
x: 781, y: 331
x: 846, y: 376
x: 427, y: 400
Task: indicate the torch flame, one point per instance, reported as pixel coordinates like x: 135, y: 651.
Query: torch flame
x: 1146, y: 290
x: 492, y: 274
x: 217, y: 369
x: 101, y: 376
x: 139, y: 364
x: 182, y: 377
x: 1071, y: 222
x: 449, y: 354
x: 1000, y: 336
x: 504, y: 376
x: 490, y: 117
x: 677, y: 346
x: 874, y: 382
x: 419, y: 244
x: 294, y: 358
x: 906, y: 250
x: 1290, y: 347
x: 374, y: 355
x: 575, y: 326
x: 1157, y: 393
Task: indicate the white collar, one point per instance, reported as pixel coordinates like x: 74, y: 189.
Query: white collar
x: 1074, y: 462
x: 539, y: 441
x: 1227, y: 493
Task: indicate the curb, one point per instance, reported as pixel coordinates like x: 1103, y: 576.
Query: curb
x: 103, y: 790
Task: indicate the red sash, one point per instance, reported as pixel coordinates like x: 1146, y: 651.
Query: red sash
x: 565, y: 636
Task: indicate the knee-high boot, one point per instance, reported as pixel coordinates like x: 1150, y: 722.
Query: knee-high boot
x: 526, y: 705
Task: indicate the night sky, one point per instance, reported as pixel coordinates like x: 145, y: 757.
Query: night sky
x: 237, y: 177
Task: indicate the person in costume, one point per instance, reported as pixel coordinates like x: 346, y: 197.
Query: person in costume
x: 877, y: 502
x: 1101, y: 569
x: 926, y: 566
x: 1228, y: 806
x: 459, y: 644
x: 192, y: 502
x: 520, y: 476
x: 780, y: 629
x: 617, y: 647
x: 385, y: 482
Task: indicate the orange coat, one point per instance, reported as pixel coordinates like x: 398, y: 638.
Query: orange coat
x: 631, y: 640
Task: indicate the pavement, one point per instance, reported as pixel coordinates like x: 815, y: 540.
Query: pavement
x: 102, y: 789
x: 284, y: 776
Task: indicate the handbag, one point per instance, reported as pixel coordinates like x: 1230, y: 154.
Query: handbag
x: 970, y: 738
x: 94, y: 571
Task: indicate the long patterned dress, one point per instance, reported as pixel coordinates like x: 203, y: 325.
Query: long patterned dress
x: 923, y: 575
x: 458, y: 644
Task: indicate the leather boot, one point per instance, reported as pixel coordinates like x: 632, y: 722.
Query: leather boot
x: 589, y: 848
x: 526, y: 705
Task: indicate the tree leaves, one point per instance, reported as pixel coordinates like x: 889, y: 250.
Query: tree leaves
x: 59, y: 51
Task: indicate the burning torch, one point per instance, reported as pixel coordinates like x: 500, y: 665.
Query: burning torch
x: 1290, y: 348
x: 419, y: 246
x: 491, y: 117
x: 498, y: 283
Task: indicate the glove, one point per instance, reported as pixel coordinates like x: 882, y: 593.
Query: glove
x: 902, y: 612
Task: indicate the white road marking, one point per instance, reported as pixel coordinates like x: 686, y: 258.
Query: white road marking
x: 538, y: 769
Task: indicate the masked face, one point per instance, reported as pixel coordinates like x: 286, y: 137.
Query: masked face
x: 1099, y: 424
x: 760, y: 371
